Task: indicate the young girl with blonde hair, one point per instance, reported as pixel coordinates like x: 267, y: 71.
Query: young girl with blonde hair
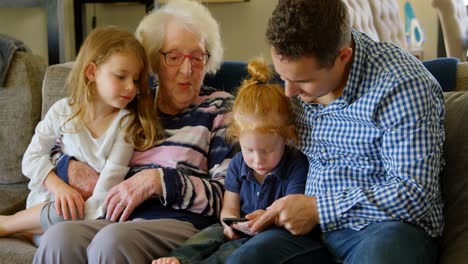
x: 109, y: 112
x: 267, y: 169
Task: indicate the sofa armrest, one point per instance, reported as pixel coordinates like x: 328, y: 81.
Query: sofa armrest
x: 462, y: 76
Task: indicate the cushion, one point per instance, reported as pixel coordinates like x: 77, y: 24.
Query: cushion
x: 16, y: 251
x: 228, y: 77
x: 454, y: 179
x: 54, y: 88
x: 445, y: 71
x: 13, y: 197
x: 462, y: 76
x: 20, y: 100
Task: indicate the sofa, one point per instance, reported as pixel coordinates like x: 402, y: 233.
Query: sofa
x: 20, y: 104
x: 29, y: 102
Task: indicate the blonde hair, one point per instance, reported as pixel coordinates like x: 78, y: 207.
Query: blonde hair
x: 144, y: 129
x: 264, y: 102
x: 152, y: 30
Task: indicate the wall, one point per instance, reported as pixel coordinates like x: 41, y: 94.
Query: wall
x: 428, y: 20
x: 234, y: 18
x: 28, y: 25
x: 242, y: 25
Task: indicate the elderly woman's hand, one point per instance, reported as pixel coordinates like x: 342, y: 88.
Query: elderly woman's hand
x: 123, y: 198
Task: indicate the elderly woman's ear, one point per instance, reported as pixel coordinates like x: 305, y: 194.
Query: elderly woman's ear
x: 154, y: 61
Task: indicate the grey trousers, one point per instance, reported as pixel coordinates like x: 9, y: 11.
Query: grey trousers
x: 101, y: 241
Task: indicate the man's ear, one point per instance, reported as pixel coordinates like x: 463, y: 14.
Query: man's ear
x: 345, y: 55
x: 90, y: 71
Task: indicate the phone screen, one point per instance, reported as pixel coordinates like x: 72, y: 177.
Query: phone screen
x: 232, y: 220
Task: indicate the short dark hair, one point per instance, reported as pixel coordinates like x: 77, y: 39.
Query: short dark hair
x: 317, y: 28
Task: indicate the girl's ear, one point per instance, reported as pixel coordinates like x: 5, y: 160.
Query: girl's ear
x: 90, y: 71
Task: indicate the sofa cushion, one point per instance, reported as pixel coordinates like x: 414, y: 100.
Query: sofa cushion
x: 445, y: 71
x: 454, y: 179
x: 20, y: 100
x: 16, y: 251
x: 54, y: 85
x: 13, y: 197
x: 462, y: 76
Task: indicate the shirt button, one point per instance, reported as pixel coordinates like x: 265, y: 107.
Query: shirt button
x: 258, y: 193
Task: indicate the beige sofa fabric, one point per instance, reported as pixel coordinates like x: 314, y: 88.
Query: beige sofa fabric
x: 462, y: 77
x: 454, y: 180
x: 20, y: 101
x: 55, y: 78
x: 20, y: 109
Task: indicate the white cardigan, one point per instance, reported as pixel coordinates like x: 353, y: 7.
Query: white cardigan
x: 109, y: 155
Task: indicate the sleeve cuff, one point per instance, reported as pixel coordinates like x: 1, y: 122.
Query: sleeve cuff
x: 162, y: 197
x: 62, y: 167
x: 170, y: 183
x: 328, y: 212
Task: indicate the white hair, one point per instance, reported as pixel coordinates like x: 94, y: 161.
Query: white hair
x: 151, y: 30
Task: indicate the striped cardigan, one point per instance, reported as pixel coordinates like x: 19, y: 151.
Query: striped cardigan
x: 193, y: 159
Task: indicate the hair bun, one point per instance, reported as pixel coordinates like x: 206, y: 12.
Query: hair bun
x: 259, y: 71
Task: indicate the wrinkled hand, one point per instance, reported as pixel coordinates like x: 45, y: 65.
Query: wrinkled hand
x: 82, y: 178
x: 123, y: 198
x: 68, y: 200
x: 296, y: 213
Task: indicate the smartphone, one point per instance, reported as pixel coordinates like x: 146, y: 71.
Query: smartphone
x: 232, y: 220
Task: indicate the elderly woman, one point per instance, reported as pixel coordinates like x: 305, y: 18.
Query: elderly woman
x: 175, y: 188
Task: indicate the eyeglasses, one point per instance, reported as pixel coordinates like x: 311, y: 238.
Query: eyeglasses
x: 175, y: 58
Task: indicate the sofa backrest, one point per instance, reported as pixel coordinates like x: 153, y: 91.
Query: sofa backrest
x: 231, y: 74
x: 20, y: 100
x: 454, y: 179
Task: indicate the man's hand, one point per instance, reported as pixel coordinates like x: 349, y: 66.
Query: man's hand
x: 246, y: 227
x: 295, y: 212
x: 82, y: 178
x: 123, y: 198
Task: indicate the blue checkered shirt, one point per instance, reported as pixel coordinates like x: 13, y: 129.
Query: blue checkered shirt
x: 375, y: 153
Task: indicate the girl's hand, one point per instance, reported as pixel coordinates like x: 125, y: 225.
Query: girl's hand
x: 123, y: 198
x: 68, y: 201
x: 245, y: 227
x: 230, y: 233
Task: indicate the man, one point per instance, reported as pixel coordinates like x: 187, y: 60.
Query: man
x: 370, y: 120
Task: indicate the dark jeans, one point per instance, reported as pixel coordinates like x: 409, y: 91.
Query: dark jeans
x: 383, y: 243
x: 274, y: 245
x: 277, y: 245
